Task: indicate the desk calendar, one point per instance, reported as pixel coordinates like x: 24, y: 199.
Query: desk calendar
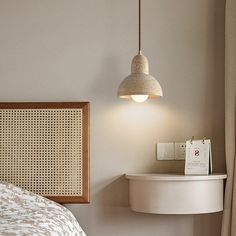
x: 198, y: 160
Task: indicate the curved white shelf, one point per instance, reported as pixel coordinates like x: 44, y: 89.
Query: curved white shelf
x: 176, y: 194
x: 174, y: 177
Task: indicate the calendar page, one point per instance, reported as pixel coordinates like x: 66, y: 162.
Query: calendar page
x: 198, y: 160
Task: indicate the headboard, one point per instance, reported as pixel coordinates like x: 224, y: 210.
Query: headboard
x: 44, y: 148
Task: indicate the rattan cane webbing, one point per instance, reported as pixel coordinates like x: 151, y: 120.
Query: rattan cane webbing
x: 41, y: 150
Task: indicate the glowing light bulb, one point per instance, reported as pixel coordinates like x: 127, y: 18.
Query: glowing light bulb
x: 139, y: 98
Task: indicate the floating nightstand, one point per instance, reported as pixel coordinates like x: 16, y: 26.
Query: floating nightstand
x: 176, y: 194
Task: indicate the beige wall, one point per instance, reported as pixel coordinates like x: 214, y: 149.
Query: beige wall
x: 74, y: 50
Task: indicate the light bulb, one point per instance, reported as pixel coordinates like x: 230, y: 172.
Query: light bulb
x: 139, y: 98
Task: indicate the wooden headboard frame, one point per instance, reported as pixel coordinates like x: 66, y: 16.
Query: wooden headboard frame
x: 63, y: 119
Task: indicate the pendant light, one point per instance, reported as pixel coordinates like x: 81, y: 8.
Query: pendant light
x: 139, y: 85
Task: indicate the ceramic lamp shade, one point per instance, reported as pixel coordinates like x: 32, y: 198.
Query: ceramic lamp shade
x: 140, y: 82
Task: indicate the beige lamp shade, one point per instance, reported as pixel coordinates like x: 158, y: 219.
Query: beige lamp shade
x: 139, y: 82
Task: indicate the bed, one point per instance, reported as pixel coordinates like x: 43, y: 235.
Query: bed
x: 44, y: 156
x: 26, y: 213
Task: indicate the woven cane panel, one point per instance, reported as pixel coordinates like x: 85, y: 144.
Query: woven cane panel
x: 41, y: 150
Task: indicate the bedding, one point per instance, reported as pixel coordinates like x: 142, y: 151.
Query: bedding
x: 26, y: 213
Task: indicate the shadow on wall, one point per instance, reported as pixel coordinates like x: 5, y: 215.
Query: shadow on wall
x: 207, y: 224
x: 115, y: 194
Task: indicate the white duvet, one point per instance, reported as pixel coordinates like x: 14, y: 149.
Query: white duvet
x: 25, y: 213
